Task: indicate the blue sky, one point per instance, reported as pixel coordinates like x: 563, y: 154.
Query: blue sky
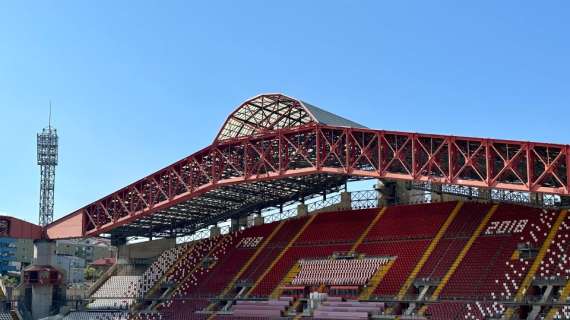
x: 138, y: 85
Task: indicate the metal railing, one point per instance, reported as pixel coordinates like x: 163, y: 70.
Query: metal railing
x: 360, y: 200
x: 492, y: 195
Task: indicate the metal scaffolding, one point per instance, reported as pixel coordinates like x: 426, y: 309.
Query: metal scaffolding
x: 47, y: 160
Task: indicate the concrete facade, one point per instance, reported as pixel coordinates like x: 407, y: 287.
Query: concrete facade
x: 143, y: 250
x: 302, y: 210
x: 42, y: 298
x: 42, y: 295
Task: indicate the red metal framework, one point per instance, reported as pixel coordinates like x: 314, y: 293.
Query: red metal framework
x: 318, y: 149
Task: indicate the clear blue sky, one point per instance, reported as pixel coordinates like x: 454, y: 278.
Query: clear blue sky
x: 137, y: 85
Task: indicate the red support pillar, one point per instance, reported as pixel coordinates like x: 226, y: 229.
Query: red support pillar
x: 568, y: 169
x: 488, y: 162
x: 529, y: 165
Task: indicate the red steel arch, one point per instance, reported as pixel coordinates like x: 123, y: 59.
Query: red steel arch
x: 314, y: 147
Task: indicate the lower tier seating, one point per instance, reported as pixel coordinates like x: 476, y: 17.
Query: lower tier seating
x: 110, y: 315
x: 268, y: 308
x: 347, y: 310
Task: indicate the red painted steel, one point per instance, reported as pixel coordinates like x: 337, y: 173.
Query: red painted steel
x: 19, y: 229
x: 315, y: 148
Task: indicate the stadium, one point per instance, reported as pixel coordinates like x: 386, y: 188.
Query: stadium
x: 265, y: 223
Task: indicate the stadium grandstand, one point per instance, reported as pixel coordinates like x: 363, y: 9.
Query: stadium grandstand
x: 264, y: 224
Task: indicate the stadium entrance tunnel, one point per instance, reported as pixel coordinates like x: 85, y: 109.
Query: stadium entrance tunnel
x: 274, y: 150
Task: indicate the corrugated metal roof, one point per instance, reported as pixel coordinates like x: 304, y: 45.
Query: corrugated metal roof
x: 329, y: 118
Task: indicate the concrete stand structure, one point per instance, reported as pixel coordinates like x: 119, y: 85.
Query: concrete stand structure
x: 42, y: 290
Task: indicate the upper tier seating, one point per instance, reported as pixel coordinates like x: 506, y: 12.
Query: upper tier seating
x: 454, y: 239
x: 340, y: 226
x: 337, y: 272
x: 411, y: 222
x: 230, y: 258
x: 189, y: 261
x: 191, y: 275
x: 533, y: 235
x: 160, y: 266
x: 273, y: 248
x: 484, y: 271
x: 556, y: 262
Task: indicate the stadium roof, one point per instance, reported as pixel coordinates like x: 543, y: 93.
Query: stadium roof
x: 274, y: 150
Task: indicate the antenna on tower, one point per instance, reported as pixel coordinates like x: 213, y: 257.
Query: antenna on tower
x: 47, y: 160
x: 49, y: 121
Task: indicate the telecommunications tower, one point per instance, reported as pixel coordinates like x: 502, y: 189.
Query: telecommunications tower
x: 47, y: 160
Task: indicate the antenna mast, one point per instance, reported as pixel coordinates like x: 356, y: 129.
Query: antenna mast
x: 47, y: 160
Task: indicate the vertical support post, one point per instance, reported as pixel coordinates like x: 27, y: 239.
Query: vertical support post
x: 380, y: 135
x: 568, y: 169
x: 280, y: 153
x: 348, y: 151
x: 318, y: 147
x: 488, y: 162
x: 529, y: 166
x: 450, y: 159
x: 414, y: 157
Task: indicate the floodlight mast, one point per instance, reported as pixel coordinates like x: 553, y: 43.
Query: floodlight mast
x: 47, y: 143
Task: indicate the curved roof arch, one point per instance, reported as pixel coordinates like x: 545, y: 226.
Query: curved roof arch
x: 273, y: 111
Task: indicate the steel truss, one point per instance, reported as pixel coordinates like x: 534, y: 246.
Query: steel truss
x: 280, y: 161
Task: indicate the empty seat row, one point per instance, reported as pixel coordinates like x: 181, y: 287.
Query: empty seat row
x: 338, y: 309
x: 338, y: 272
x: 81, y: 315
x: 253, y: 308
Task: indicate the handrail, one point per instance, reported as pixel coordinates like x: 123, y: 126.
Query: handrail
x: 102, y: 279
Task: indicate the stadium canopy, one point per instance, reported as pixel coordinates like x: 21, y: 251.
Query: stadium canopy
x: 274, y: 150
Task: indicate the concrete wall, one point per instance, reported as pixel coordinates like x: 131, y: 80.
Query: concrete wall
x: 42, y: 297
x: 44, y: 252
x: 143, y: 250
